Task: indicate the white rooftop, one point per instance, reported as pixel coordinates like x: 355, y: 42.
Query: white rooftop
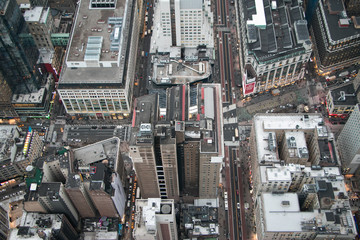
x: 37, y: 14
x: 35, y: 97
x: 278, y: 174
x: 29, y: 220
x: 282, y: 212
x: 267, y: 124
x: 148, y: 213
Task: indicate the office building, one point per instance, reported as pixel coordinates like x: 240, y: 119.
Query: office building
x: 50, y: 197
x: 79, y: 195
x: 101, y: 228
x: 349, y: 144
x: 275, y: 44
x: 200, y: 220
x: 336, y: 35
x: 40, y: 24
x: 341, y: 100
x: 182, y: 23
x: 18, y: 52
x: 153, y: 151
x: 43, y: 226
x: 97, y: 77
x: 17, y: 151
x: 198, y: 119
x: 190, y: 134
x: 98, y: 182
x: 6, y: 109
x: 290, y: 139
x: 155, y: 219
x: 4, y: 224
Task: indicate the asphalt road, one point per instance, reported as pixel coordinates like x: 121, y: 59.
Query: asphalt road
x: 95, y: 133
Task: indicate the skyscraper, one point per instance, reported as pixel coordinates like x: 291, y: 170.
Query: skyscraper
x: 18, y: 52
x: 349, y: 142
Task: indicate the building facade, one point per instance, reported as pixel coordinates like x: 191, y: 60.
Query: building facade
x: 40, y: 24
x: 18, y: 50
x: 336, y: 36
x: 348, y: 142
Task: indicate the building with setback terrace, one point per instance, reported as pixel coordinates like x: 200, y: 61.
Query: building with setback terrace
x: 298, y: 189
x: 275, y: 44
x: 98, y: 74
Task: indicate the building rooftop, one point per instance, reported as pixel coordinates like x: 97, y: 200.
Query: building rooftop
x: 8, y: 136
x: 37, y: 14
x: 149, y: 212
x: 93, y: 30
x: 34, y: 97
x: 96, y: 53
x: 177, y: 72
x: 106, y: 151
x: 267, y: 124
x: 37, y: 225
x: 103, y: 228
x: 275, y: 31
x: 284, y: 208
x: 344, y: 95
x: 338, y: 24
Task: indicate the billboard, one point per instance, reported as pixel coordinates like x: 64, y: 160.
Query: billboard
x: 248, y: 85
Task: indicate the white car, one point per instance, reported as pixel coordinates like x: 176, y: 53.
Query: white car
x: 238, y: 205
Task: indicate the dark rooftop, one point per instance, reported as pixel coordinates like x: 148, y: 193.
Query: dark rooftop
x: 332, y: 20
x: 344, y: 95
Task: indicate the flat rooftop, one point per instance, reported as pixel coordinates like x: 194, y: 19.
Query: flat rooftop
x: 344, y: 95
x: 37, y: 14
x: 94, y: 22
x: 8, y: 148
x: 34, y: 97
x: 32, y: 222
x: 107, y: 149
x: 282, y: 212
x: 176, y: 72
x: 336, y: 32
x: 275, y: 33
x: 267, y: 124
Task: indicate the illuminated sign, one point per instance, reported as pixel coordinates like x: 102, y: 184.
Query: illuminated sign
x: 27, y: 141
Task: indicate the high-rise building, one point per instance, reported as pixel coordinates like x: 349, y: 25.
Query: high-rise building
x: 275, y: 44
x: 6, y: 109
x: 99, y: 180
x: 336, y: 35
x: 40, y: 24
x: 352, y: 7
x: 153, y: 151
x: 4, y: 224
x: 18, y: 51
x: 155, y: 219
x: 182, y: 23
x: 348, y: 142
x: 97, y: 77
x: 79, y: 195
x: 185, y: 142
